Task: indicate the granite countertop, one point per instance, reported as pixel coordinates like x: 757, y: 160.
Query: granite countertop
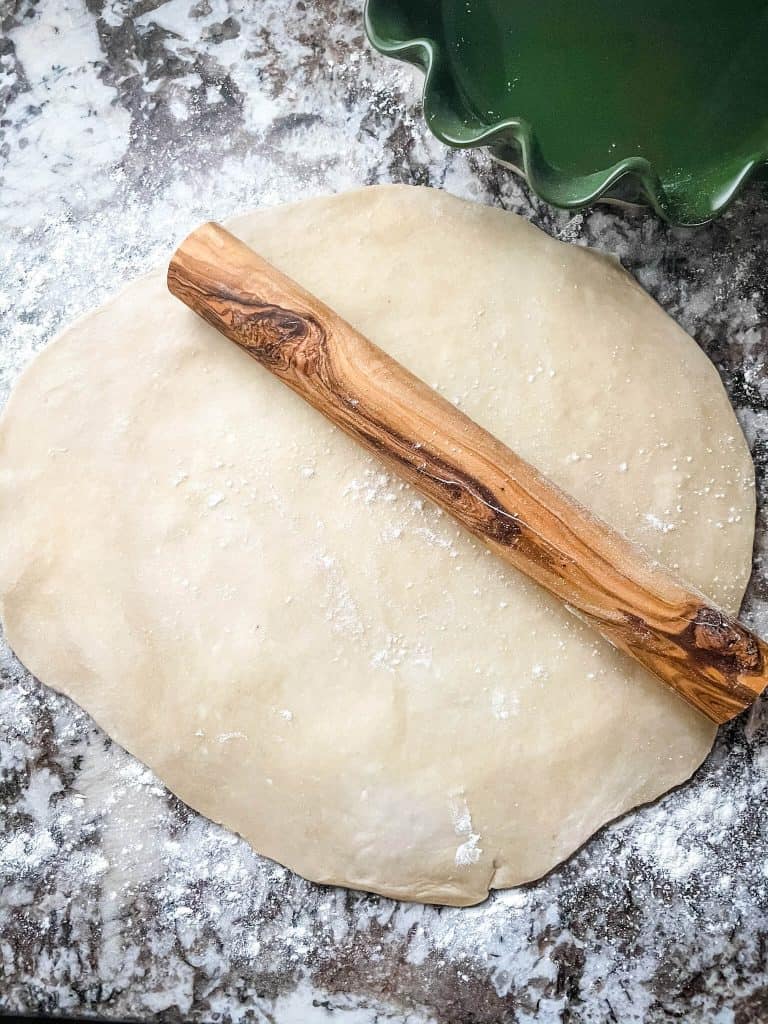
x: 122, y: 125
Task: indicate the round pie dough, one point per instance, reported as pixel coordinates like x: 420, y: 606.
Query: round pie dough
x: 294, y: 641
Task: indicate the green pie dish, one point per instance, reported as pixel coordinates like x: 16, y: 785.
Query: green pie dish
x: 663, y: 102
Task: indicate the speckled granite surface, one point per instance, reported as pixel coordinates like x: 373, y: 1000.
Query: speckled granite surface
x: 121, y: 126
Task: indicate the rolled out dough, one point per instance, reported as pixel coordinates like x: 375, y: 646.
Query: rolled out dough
x: 294, y: 641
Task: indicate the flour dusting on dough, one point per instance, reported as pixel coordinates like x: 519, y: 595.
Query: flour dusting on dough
x: 504, y: 704
x: 467, y: 852
x: 659, y: 524
x: 341, y: 610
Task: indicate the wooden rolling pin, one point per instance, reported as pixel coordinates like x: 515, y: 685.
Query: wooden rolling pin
x: 711, y: 660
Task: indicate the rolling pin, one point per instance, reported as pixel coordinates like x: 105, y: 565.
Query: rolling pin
x: 708, y: 658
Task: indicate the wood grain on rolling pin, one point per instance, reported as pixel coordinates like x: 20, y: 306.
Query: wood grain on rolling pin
x: 711, y: 660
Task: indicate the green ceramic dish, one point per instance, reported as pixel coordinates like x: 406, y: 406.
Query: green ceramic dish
x: 657, y: 101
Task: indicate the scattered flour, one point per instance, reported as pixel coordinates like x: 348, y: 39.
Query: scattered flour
x: 659, y: 524
x: 467, y: 852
